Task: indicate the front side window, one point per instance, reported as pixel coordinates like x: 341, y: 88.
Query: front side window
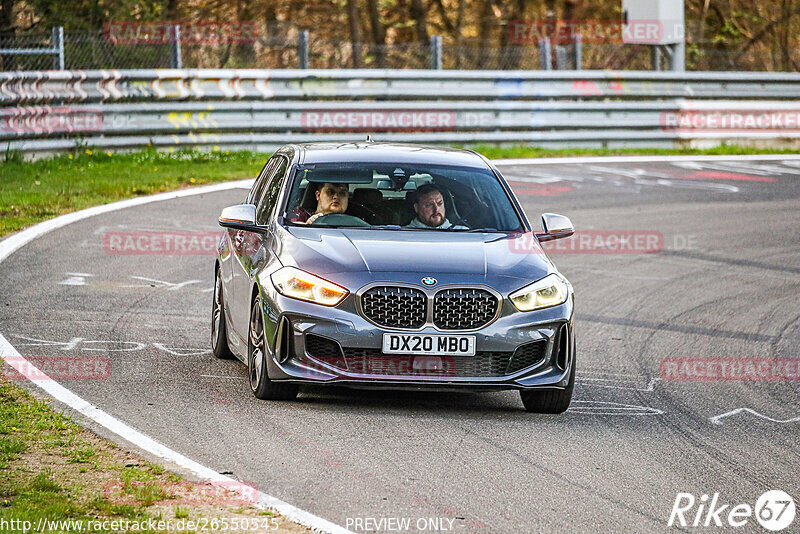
x: 270, y: 194
x: 261, y: 182
x: 409, y: 196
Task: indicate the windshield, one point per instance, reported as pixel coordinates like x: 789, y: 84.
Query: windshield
x: 410, y: 197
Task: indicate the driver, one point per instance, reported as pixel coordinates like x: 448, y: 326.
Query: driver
x: 430, y: 210
x: 331, y: 198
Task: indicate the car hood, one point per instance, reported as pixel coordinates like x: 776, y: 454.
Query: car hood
x: 336, y: 250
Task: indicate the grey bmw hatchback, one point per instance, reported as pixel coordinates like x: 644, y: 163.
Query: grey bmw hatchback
x: 384, y: 265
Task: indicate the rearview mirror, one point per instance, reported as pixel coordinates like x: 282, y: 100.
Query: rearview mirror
x: 240, y: 217
x: 555, y: 227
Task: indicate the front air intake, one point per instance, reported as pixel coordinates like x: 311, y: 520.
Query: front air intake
x: 563, y: 345
x: 283, y: 340
x: 527, y: 355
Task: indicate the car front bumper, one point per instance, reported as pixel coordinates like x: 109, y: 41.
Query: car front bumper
x: 313, y: 344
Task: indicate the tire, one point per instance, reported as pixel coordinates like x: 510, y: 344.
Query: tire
x: 219, y: 328
x: 549, y: 400
x: 260, y: 384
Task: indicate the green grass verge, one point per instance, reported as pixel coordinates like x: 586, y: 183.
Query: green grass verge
x: 34, y: 191
x: 31, y: 192
x: 51, y: 468
x: 36, y: 443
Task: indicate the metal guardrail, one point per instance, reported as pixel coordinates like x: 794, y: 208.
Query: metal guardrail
x: 46, y: 111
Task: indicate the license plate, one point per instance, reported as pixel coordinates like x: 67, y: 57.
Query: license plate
x: 428, y: 344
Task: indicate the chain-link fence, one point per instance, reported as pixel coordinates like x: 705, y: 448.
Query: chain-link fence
x: 29, y: 51
x: 96, y: 49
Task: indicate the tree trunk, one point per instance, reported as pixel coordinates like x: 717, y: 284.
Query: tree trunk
x: 512, y: 52
x: 245, y: 53
x: 170, y: 12
x: 421, y: 19
x: 459, y: 31
x: 378, y: 32
x: 552, y: 19
x: 448, y: 26
x: 783, y: 45
x: 8, y: 33
x: 355, y: 33
x: 484, y: 27
x: 701, y: 23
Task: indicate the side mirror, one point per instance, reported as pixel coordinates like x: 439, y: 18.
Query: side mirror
x: 555, y: 227
x: 239, y: 217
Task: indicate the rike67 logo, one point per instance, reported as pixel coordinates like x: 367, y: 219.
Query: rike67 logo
x: 774, y: 510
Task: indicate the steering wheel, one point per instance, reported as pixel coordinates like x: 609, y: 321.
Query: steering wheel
x: 339, y: 219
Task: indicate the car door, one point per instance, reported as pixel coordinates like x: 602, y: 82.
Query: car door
x: 253, y: 248
x: 231, y: 267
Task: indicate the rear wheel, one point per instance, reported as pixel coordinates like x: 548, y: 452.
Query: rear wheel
x: 260, y: 384
x: 219, y: 330
x: 550, y: 400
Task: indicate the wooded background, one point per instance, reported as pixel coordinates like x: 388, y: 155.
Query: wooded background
x: 721, y: 34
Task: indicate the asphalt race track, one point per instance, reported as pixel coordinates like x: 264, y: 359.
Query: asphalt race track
x: 721, y: 280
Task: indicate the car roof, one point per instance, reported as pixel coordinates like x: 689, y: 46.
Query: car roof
x: 376, y: 152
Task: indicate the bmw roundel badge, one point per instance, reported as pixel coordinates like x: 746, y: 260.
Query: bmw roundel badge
x: 429, y: 281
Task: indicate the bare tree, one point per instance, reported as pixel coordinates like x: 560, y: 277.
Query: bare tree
x: 8, y: 32
x: 459, y: 31
x: 420, y: 17
x: 355, y: 33
x: 485, y: 20
x: 378, y: 32
x: 170, y: 10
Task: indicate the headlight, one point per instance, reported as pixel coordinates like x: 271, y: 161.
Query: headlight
x: 551, y: 290
x: 297, y: 284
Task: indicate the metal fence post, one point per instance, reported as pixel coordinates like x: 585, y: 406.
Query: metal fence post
x: 302, y: 49
x: 436, y: 52
x: 578, y: 49
x: 655, y: 57
x: 58, y: 46
x: 677, y: 60
x: 175, y: 59
x: 545, y: 57
x: 562, y: 63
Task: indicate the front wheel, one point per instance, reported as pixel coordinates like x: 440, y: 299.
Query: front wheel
x: 550, y: 400
x: 260, y: 384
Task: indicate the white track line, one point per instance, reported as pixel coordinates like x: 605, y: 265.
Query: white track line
x: 143, y: 442
x: 717, y: 419
x: 642, y: 159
